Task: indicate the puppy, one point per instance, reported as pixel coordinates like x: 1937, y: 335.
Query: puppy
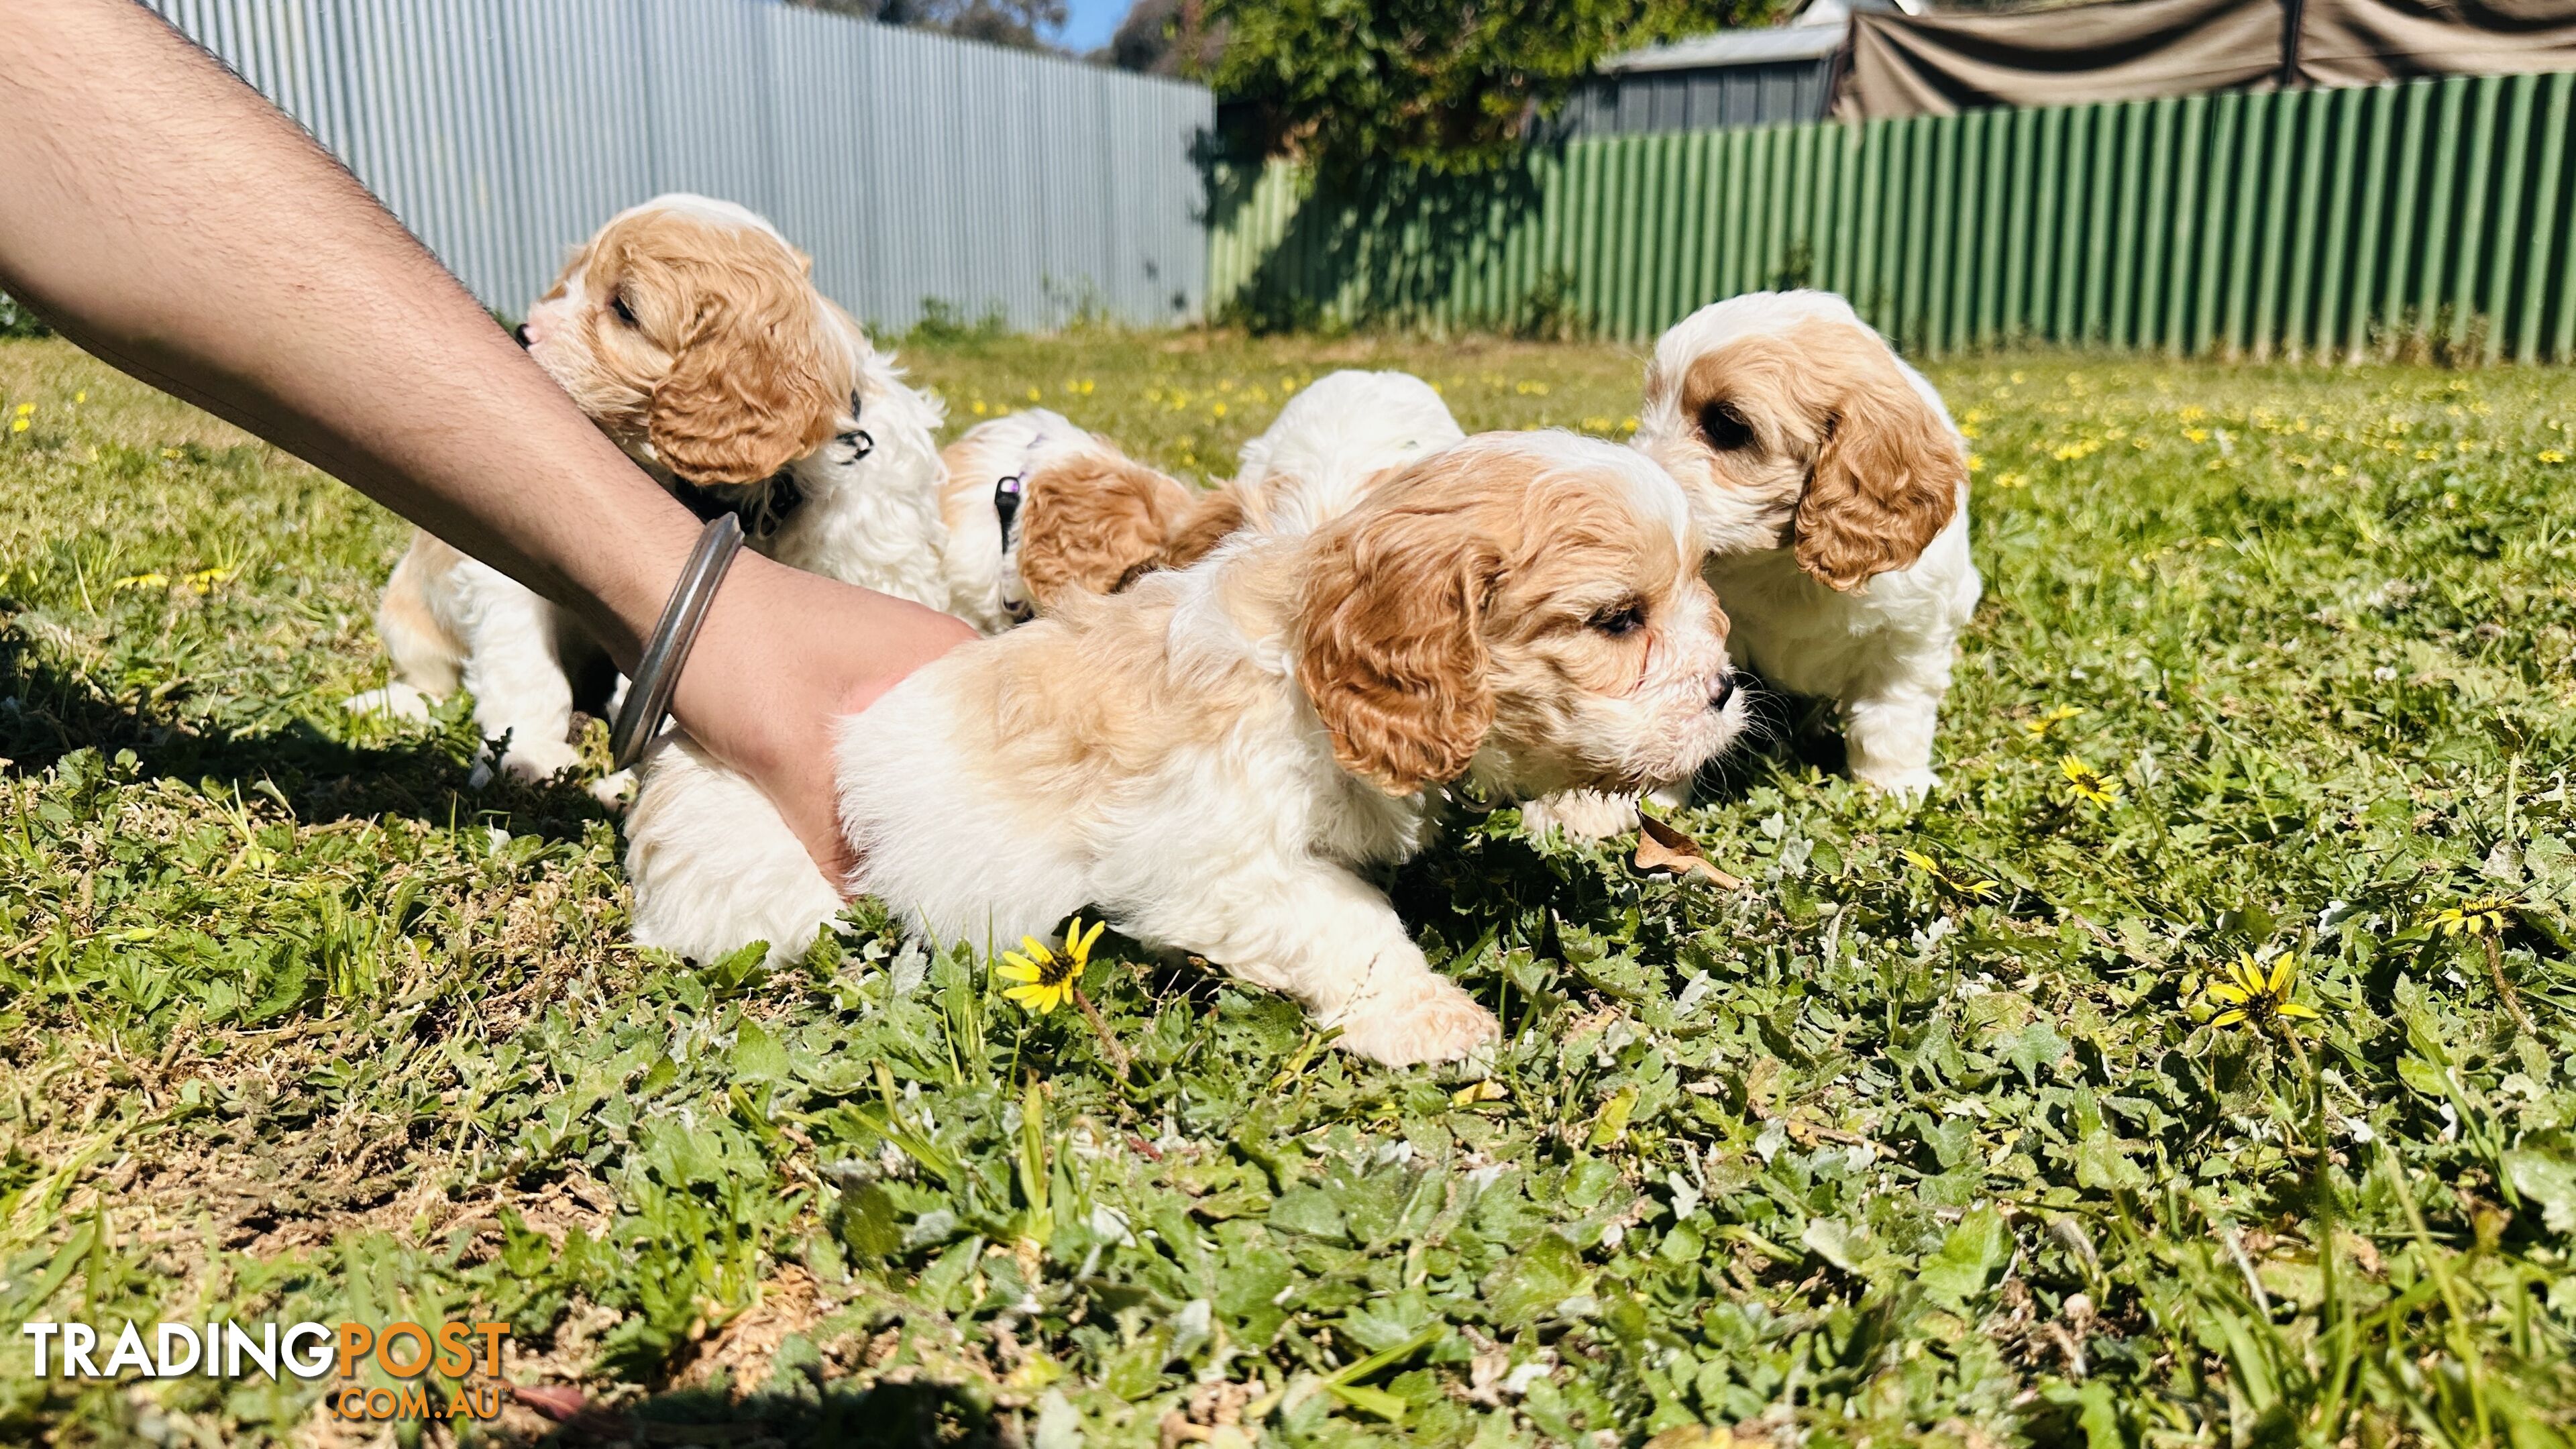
x: 1332, y: 442
x: 1038, y: 509
x: 1832, y: 489
x: 1212, y: 758
x: 692, y: 334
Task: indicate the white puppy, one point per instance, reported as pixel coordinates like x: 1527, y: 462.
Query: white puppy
x: 1332, y: 441
x: 1832, y: 489
x: 692, y: 334
x: 1211, y: 758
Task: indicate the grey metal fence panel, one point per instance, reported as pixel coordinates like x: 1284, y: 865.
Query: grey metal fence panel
x: 912, y: 166
x: 1699, y: 98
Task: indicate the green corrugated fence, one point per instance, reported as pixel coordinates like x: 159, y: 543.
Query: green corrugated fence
x: 2306, y: 224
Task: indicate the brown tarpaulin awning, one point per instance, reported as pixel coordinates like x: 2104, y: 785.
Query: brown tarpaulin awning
x: 2363, y: 42
x: 1915, y: 65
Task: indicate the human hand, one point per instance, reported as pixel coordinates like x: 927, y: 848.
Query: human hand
x: 782, y: 657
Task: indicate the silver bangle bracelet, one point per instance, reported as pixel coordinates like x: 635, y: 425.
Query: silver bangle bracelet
x: 648, y: 694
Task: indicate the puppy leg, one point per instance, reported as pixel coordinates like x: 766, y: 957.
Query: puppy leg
x: 397, y: 699
x: 1581, y: 814
x: 426, y: 657
x: 1888, y: 728
x: 514, y: 667
x: 1321, y: 936
x: 712, y: 866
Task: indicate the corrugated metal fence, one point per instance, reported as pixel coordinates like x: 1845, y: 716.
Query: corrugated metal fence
x: 2320, y: 224
x: 912, y: 166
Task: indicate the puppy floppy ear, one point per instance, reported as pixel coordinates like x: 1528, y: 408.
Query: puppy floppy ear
x: 1213, y: 516
x: 1091, y: 523
x: 1888, y: 474
x: 1390, y: 643
x: 758, y: 381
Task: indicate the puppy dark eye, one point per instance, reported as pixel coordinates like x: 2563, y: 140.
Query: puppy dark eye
x: 1724, y: 427
x: 625, y: 314
x: 1620, y: 619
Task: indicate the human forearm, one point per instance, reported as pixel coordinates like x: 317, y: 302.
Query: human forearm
x: 188, y: 233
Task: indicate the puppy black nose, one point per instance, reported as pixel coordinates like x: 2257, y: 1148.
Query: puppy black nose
x: 521, y: 333
x: 1721, y: 691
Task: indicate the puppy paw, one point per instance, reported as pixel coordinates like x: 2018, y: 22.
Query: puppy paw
x: 398, y: 700
x: 1581, y: 814
x: 1909, y: 786
x: 1429, y: 1020
x: 615, y: 791
x: 1675, y: 796
x: 530, y: 764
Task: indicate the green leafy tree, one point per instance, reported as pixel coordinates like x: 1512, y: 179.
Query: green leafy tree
x: 1437, y: 83
x: 1021, y: 24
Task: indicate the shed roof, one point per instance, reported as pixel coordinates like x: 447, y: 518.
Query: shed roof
x: 1815, y: 32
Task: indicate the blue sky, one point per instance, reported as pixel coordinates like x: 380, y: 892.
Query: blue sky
x: 1088, y: 23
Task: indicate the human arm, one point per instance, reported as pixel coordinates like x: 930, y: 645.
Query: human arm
x: 166, y: 218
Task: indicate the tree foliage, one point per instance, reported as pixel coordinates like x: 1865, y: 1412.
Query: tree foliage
x: 1437, y: 83
x: 1020, y: 24
x: 1162, y: 37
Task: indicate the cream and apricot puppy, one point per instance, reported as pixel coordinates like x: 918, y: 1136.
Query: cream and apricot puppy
x: 690, y: 331
x: 1832, y: 489
x: 1037, y: 510
x: 1212, y: 758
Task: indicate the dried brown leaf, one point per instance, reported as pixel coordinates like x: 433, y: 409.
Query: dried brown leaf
x: 1661, y: 847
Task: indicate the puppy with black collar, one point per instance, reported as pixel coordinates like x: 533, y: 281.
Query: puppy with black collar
x: 691, y: 332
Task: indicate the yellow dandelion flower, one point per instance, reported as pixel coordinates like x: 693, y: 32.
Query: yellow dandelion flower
x: 2011, y: 480
x: 1048, y: 978
x: 2089, y: 784
x: 1627, y: 425
x: 25, y: 408
x: 1976, y: 462
x: 2039, y: 728
x: 2246, y: 992
x: 139, y: 581
x: 1970, y: 887
x: 1216, y: 410
x: 2481, y: 917
x: 2552, y: 455
x: 979, y: 407
x: 1036, y: 396
x: 81, y: 396
x: 17, y: 425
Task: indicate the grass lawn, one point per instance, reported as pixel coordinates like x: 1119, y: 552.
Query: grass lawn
x: 1924, y: 1134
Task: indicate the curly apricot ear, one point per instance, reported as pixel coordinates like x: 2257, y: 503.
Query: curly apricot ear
x: 1092, y: 522
x: 758, y: 383
x: 1390, y: 644
x: 1888, y: 475
x: 1213, y: 516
